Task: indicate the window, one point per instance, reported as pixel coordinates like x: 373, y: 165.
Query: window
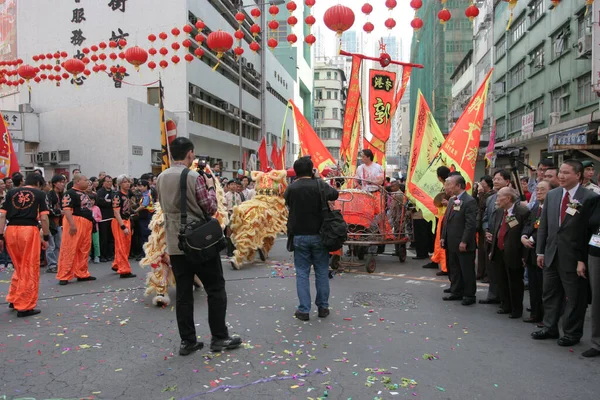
x: 282, y: 32
x: 316, y: 77
x: 449, y: 69
x: 335, y: 94
x: 584, y: 90
x: 584, y: 23
x: 329, y: 94
x: 328, y: 74
x: 538, y: 8
x: 518, y: 29
x: 500, y: 49
x: 560, y: 43
x: 335, y: 75
x: 334, y: 151
x: 153, y: 94
x: 560, y: 100
x: 516, y: 120
x: 334, y: 113
x: 538, y: 111
x: 319, y: 94
x: 319, y: 113
x: 517, y: 74
x: 501, y: 128
x: 537, y: 59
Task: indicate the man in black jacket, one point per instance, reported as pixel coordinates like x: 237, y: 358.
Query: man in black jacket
x: 458, y: 238
x: 104, y: 202
x: 54, y: 199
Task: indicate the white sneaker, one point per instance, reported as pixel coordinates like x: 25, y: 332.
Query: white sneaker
x: 96, y: 260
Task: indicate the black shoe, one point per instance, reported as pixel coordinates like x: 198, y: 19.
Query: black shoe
x: 63, y: 283
x: 515, y: 316
x: 188, y: 348
x: 566, y: 342
x: 431, y: 265
x: 129, y: 275
x: 323, y: 312
x: 110, y: 259
x: 51, y: 270
x: 28, y: 313
x: 502, y: 311
x: 489, y: 301
x: 218, y: 345
x: 526, y: 287
x: 543, y: 334
x: 420, y: 258
x: 103, y: 260
x: 591, y: 353
x: 448, y: 290
x: 89, y: 278
x: 468, y: 301
x: 261, y: 255
x: 452, y: 297
x: 485, y: 280
x: 131, y: 257
x: 229, y: 254
x: 532, y: 320
x: 528, y: 309
x: 138, y: 258
x: 302, y: 316
x: 114, y: 269
x: 441, y: 273
x: 11, y: 306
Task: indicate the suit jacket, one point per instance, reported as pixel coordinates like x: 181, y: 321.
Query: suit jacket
x: 570, y: 236
x: 490, y: 207
x: 531, y: 230
x: 460, y: 226
x: 513, y: 248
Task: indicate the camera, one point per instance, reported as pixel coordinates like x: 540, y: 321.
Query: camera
x: 510, y: 151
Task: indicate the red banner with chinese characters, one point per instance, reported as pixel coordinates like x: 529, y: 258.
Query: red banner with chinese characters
x: 382, y: 85
x: 310, y: 144
x: 8, y: 158
x: 351, y: 135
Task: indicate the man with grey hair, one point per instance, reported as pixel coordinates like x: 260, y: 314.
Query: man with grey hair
x: 509, y: 219
x: 123, y: 203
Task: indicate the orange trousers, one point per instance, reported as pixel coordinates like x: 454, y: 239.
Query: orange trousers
x: 24, y: 246
x: 75, y: 250
x: 122, y: 247
x: 439, y: 254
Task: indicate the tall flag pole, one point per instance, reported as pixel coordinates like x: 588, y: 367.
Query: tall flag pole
x: 164, y: 144
x: 489, y: 154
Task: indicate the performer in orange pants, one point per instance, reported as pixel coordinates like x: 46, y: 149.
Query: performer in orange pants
x: 121, y: 226
x: 77, y: 234
x: 439, y: 254
x: 22, y: 208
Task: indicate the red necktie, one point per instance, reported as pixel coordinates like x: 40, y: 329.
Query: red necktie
x: 502, y: 232
x: 563, y: 207
x: 539, y: 211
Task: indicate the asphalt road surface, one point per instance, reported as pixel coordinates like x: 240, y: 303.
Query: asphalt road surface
x: 389, y: 336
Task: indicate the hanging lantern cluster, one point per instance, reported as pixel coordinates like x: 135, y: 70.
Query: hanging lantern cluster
x: 472, y: 12
x: 255, y: 29
x: 367, y: 9
x: 292, y: 21
x: 239, y: 34
x: 416, y: 23
x: 390, y: 23
x: 310, y: 20
x: 444, y: 15
x: 273, y: 26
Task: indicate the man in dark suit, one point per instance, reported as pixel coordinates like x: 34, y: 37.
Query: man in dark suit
x: 458, y: 239
x: 507, y: 252
x: 561, y: 227
x: 529, y: 239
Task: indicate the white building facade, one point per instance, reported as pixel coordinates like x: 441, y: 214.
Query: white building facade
x: 106, y: 125
x: 330, y: 102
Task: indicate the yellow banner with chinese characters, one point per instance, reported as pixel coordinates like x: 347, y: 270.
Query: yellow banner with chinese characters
x: 381, y: 100
x: 164, y: 144
x: 422, y: 184
x: 351, y: 133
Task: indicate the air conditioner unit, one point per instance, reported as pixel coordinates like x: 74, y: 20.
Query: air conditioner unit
x: 25, y: 108
x: 54, y: 157
x: 196, y: 91
x: 250, y: 66
x: 156, y: 157
x: 227, y: 107
x: 554, y: 118
x: 584, y: 46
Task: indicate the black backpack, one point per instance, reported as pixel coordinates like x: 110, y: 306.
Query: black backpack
x: 334, y: 231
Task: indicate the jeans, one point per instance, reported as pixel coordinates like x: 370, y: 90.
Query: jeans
x: 53, y: 250
x: 309, y: 250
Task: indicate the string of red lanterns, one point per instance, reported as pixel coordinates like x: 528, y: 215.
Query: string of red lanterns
x: 310, y: 20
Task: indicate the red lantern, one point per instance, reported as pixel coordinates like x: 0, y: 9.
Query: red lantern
x: 94, y: 58
x: 85, y: 60
x: 238, y: 51
x: 26, y: 72
x: 152, y: 65
x: 291, y: 6
x: 151, y: 38
x: 273, y: 25
x: 339, y: 18
x: 102, y: 67
x: 152, y: 51
x: 309, y: 3
x: 73, y: 66
x: 87, y: 72
x: 112, y: 44
x: 189, y: 58
x: 163, y: 36
x: 200, y: 38
x: 200, y: 25
x: 44, y: 77
x: 121, y: 56
x: 390, y: 23
x: 136, y: 56
x: 163, y: 64
x: 51, y: 77
x: 273, y: 10
x: 42, y: 57
x: 175, y: 46
x: 310, y: 39
x: 188, y: 29
x: 163, y: 51
x: 101, y: 44
x: 254, y: 47
x: 94, y: 48
x: 255, y: 30
x: 255, y: 12
x: 272, y: 43
x: 292, y: 21
x: 292, y: 38
x: 416, y: 23
x: 66, y: 76
x: 368, y: 27
x: 113, y: 56
x: 199, y: 52
x: 57, y: 78
x: 472, y: 12
x: 310, y: 20
x: 85, y: 50
x: 239, y: 35
x: 96, y: 69
x: 56, y: 56
x: 122, y: 70
x: 220, y: 42
x: 102, y: 57
x: 175, y: 32
x: 42, y: 67
x: 367, y: 9
x: 444, y: 16
x: 122, y: 43
x: 175, y: 59
x: 391, y: 4
x: 21, y: 81
x: 186, y: 43
x: 416, y: 4
x: 63, y: 54
x: 240, y: 17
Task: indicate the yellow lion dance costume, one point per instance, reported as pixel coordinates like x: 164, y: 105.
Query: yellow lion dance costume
x: 255, y: 223
x: 160, y: 279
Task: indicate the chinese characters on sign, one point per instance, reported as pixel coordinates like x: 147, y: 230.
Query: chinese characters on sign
x: 381, y: 106
x: 115, y: 38
x: 12, y: 120
x: 382, y: 111
x: 118, y: 78
x: 382, y: 82
x: 77, y: 39
x: 117, y: 5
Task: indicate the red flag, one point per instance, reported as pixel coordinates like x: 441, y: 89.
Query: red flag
x: 275, y: 157
x: 8, y: 158
x: 263, y: 158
